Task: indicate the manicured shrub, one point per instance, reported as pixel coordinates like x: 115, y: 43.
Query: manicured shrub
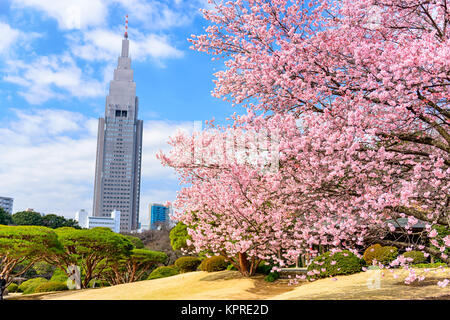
x: 59, y: 276
x: 384, y: 255
x: 163, y: 272
x: 431, y: 265
x: 29, y: 286
x: 370, y: 253
x: 417, y: 256
x: 272, y: 276
x: 138, y: 244
x: 13, y: 287
x: 51, y: 286
x: 215, y: 263
x: 339, y: 263
x: 187, y: 264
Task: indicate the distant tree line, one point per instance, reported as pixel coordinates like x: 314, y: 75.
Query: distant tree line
x: 31, y: 218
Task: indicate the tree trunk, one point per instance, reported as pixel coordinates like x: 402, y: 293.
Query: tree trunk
x: 245, y: 266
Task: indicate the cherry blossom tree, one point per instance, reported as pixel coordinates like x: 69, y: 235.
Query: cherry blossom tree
x: 358, y: 94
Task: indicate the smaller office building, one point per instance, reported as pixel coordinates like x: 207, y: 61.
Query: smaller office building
x: 159, y: 216
x: 88, y: 222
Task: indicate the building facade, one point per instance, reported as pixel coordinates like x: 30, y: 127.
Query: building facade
x: 7, y: 204
x: 119, y: 148
x: 112, y: 222
x: 159, y: 215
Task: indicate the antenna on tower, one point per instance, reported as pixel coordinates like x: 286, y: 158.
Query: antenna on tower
x: 126, y: 27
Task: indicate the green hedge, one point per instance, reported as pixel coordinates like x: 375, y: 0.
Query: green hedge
x: 13, y: 287
x: 51, y: 286
x: 187, y: 264
x: 431, y: 265
x: 29, y: 286
x: 417, y: 256
x: 215, y: 263
x: 345, y: 262
x: 163, y: 272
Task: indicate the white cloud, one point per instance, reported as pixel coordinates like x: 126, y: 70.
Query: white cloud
x: 52, y: 77
x: 82, y: 14
x: 48, y: 161
x: 12, y: 38
x: 155, y: 15
x: 156, y: 135
x: 105, y: 45
x: 60, y: 76
x: 9, y: 37
x: 69, y: 14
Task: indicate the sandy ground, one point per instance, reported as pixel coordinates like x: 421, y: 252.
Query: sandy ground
x: 200, y: 285
x: 373, y: 285
x: 230, y: 285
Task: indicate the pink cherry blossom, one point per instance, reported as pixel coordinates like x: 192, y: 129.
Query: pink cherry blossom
x: 354, y: 115
x: 443, y: 283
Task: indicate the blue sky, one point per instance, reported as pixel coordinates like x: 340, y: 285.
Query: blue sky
x: 56, y: 61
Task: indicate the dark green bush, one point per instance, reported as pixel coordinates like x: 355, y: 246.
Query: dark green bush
x: 215, y: 263
x: 272, y: 276
x: 13, y: 287
x: 264, y: 268
x: 417, y: 256
x: 29, y: 286
x: 51, y: 286
x: 164, y: 271
x: 187, y: 264
x: 345, y: 263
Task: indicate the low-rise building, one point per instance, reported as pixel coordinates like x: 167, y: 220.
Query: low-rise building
x: 160, y: 216
x: 88, y: 222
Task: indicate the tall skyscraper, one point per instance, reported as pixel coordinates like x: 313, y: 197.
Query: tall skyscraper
x: 119, y: 148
